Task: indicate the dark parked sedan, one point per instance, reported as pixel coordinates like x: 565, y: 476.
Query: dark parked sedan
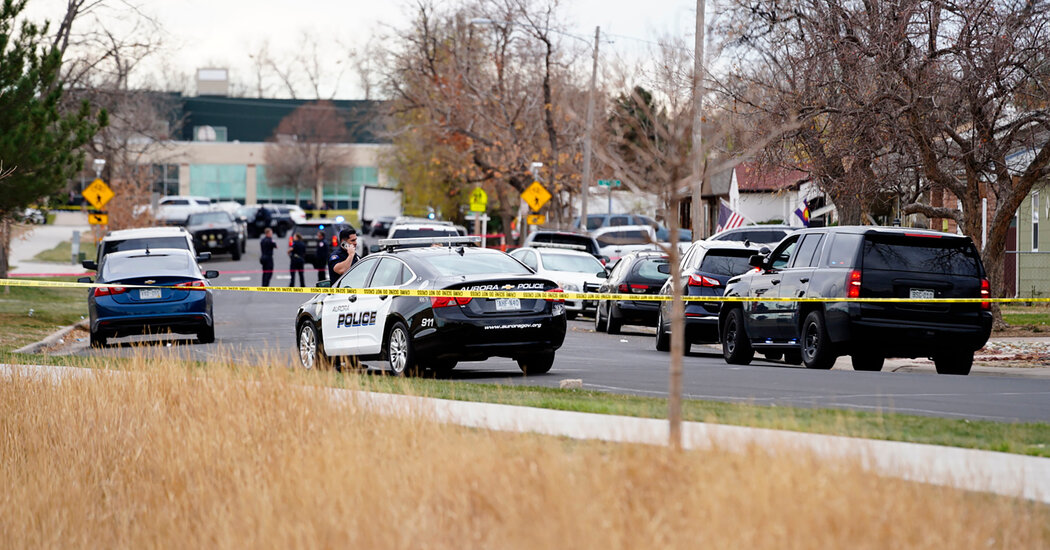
x: 181, y: 302
x: 636, y: 273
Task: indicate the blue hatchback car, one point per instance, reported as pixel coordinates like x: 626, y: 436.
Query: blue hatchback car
x: 118, y: 311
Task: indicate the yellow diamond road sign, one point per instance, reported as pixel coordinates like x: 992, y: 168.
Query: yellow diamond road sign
x: 536, y: 219
x: 479, y: 199
x: 98, y: 193
x: 536, y: 196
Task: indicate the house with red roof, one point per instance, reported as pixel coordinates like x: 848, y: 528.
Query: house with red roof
x: 771, y: 194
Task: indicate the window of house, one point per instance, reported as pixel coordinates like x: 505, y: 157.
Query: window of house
x: 1035, y: 221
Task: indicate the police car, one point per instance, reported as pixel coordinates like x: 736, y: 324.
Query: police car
x: 418, y: 333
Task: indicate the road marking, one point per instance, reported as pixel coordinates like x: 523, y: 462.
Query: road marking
x: 240, y: 279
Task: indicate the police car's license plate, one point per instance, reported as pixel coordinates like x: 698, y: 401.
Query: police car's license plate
x: 508, y: 304
x: 920, y: 294
x: 149, y: 294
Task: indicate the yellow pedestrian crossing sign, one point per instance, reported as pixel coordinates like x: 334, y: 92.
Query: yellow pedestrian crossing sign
x: 98, y: 193
x: 536, y: 196
x: 479, y: 200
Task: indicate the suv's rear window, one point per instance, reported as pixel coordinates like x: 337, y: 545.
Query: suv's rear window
x: 623, y: 238
x: 649, y: 268
x: 156, y: 264
x: 726, y: 262
x: 143, y: 243
x: 555, y: 238
x: 420, y: 233
x: 766, y: 236
x: 950, y: 256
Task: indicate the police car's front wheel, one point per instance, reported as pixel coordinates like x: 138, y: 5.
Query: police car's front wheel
x: 311, y: 353
x: 399, y: 350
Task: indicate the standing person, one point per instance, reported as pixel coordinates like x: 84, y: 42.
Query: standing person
x: 262, y: 219
x: 298, y: 259
x: 343, y: 258
x: 321, y: 256
x: 266, y: 248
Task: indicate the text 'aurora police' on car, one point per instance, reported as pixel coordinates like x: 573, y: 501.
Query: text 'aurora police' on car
x: 434, y: 333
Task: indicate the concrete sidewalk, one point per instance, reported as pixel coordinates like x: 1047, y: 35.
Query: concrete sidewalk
x: 967, y: 469
x: 39, y: 238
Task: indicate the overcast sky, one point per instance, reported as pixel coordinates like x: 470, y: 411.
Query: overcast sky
x: 221, y: 33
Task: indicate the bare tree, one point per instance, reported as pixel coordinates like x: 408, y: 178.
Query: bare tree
x: 925, y: 94
x: 306, y: 148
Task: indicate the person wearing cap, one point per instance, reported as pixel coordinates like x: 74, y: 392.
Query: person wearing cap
x: 343, y: 258
x: 321, y: 256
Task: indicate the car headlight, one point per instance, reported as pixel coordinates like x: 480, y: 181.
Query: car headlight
x: 569, y: 287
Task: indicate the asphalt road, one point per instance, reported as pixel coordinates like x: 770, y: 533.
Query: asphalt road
x: 258, y: 324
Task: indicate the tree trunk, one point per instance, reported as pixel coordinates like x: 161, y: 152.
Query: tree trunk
x: 5, y: 245
x: 994, y: 258
x: 674, y: 389
x: 849, y: 208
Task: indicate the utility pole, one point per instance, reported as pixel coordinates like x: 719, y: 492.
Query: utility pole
x: 585, y: 182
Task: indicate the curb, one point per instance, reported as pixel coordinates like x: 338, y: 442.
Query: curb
x: 52, y: 339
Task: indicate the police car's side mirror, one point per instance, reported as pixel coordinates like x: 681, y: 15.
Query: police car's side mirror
x: 211, y: 274
x: 758, y: 260
x: 89, y: 264
x: 664, y: 268
x: 324, y: 284
x: 203, y: 256
x: 602, y: 274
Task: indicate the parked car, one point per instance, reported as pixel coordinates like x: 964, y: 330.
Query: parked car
x: 280, y: 219
x: 600, y: 221
x: 705, y: 269
x: 861, y: 262
x: 418, y: 230
x: 377, y: 230
x: 586, y: 242
x: 615, y: 242
x: 118, y: 311
x: 755, y: 234
x: 217, y: 231
x: 436, y: 333
x: 144, y: 238
x: 176, y: 209
x: 309, y: 229
x: 574, y: 269
x: 636, y: 273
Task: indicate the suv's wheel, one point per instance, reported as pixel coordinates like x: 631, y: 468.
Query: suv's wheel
x: 793, y: 357
x: 867, y: 362
x: 599, y: 323
x: 954, y: 363
x: 663, y: 338
x: 235, y: 251
x: 97, y: 339
x: 539, y: 363
x: 614, y: 323
x: 399, y: 350
x: 817, y: 351
x: 206, y: 335
x: 736, y: 348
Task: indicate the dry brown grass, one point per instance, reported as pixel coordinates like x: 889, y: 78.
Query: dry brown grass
x: 166, y: 457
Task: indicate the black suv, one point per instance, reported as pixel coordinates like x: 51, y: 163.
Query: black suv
x: 309, y: 230
x: 861, y: 262
x: 216, y: 231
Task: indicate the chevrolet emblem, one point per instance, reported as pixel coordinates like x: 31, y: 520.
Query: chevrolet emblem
x: 508, y: 287
x: 149, y: 281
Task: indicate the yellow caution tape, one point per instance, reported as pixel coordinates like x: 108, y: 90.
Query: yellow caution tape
x: 531, y: 295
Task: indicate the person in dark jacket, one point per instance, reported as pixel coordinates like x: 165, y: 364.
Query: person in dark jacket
x: 266, y: 248
x: 343, y: 258
x: 321, y: 256
x: 297, y: 253
x: 262, y: 219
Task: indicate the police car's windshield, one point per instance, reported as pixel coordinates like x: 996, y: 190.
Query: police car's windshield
x: 475, y: 264
x: 571, y: 263
x: 208, y: 217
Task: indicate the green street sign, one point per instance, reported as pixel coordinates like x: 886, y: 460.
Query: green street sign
x: 609, y: 183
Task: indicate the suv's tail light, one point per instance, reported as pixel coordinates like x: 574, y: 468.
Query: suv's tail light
x: 109, y: 290
x: 192, y: 284
x: 448, y: 301
x: 290, y: 240
x: 700, y: 280
x: 558, y: 290
x: 335, y: 241
x: 986, y: 292
x: 853, y: 284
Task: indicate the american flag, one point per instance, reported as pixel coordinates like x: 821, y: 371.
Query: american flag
x: 728, y: 218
